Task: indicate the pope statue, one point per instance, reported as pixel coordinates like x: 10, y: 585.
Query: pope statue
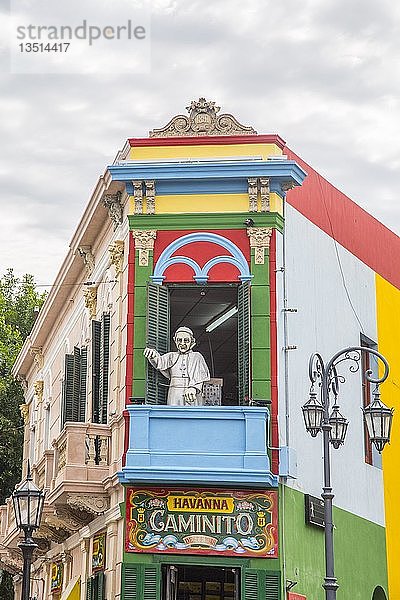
x: 186, y: 370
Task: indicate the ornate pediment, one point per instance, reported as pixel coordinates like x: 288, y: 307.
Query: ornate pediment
x: 202, y: 120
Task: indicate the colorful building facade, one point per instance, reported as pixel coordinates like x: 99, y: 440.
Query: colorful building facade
x: 208, y: 225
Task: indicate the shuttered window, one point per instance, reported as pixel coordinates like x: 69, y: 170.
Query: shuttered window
x: 244, y: 342
x: 95, y: 587
x: 74, y: 386
x: 158, y: 338
x: 140, y: 582
x: 100, y: 368
x: 261, y: 585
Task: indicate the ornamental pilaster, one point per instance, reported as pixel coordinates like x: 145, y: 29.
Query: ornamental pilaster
x: 138, y: 196
x: 259, y: 240
x: 85, y: 252
x: 38, y: 386
x: 150, y: 197
x: 114, y: 206
x: 253, y: 192
x: 116, y: 251
x: 144, y: 242
x: 264, y: 193
x: 90, y: 295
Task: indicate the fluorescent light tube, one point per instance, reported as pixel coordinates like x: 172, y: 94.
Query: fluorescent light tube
x: 214, y: 324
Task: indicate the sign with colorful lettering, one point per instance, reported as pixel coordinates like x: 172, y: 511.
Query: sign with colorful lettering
x: 56, y: 578
x: 99, y: 552
x: 221, y: 522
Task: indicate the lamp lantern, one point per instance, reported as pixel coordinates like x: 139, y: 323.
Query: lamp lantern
x: 378, y: 419
x: 312, y: 413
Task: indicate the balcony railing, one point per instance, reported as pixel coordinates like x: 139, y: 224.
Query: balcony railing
x: 198, y: 445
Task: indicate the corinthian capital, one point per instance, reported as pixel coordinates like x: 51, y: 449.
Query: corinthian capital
x: 259, y: 239
x: 144, y: 242
x: 116, y: 251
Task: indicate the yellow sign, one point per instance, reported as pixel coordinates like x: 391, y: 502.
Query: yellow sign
x: 203, y: 503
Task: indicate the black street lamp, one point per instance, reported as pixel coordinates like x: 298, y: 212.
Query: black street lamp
x: 377, y: 418
x: 28, y: 502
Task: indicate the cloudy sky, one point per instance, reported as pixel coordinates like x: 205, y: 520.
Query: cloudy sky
x: 324, y: 74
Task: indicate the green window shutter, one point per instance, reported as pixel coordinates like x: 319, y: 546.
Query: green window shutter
x: 100, y: 586
x: 76, y: 383
x: 129, y: 583
x: 82, y: 385
x: 67, y: 390
x: 89, y: 589
x: 251, y: 585
x: 244, y: 342
x: 151, y: 583
x: 158, y: 338
x: 96, y: 336
x: 272, y: 586
x: 104, y: 367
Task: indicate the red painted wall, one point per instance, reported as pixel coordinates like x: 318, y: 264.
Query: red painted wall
x: 356, y: 230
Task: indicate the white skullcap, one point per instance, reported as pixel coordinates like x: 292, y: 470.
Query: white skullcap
x: 185, y: 330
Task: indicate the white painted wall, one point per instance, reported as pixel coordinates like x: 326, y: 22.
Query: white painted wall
x: 325, y: 322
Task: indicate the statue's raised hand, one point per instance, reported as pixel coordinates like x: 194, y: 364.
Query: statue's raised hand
x: 151, y: 353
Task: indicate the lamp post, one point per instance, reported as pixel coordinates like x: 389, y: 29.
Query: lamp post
x: 377, y: 417
x: 28, y: 502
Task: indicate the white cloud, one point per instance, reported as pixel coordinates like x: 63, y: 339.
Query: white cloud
x: 321, y: 74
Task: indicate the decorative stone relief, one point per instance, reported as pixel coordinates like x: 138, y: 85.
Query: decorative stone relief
x: 202, y: 120
x: 93, y: 504
x: 138, y: 196
x: 144, y: 242
x: 116, y: 251
x: 264, y: 193
x: 24, y: 410
x: 23, y: 382
x: 259, y: 239
x: 85, y: 252
x: 287, y: 185
x: 38, y: 386
x: 253, y: 191
x: 36, y: 352
x: 113, y: 203
x: 150, y: 197
x: 90, y: 295
x: 12, y: 559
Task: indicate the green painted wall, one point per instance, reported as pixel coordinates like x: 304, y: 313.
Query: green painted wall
x: 260, y: 328
x: 142, y: 274
x: 360, y: 551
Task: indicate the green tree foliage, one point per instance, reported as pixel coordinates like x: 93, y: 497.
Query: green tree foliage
x: 19, y: 300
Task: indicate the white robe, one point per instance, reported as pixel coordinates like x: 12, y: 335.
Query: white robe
x: 184, y: 370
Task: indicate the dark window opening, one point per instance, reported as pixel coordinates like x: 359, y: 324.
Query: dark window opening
x: 74, y: 386
x: 369, y: 362
x: 187, y: 582
x: 211, y: 313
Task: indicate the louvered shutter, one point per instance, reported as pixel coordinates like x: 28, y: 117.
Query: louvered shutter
x: 96, y: 337
x: 104, y: 367
x: 151, y: 582
x: 244, y: 342
x: 82, y: 385
x: 76, y: 383
x: 100, y: 586
x: 272, y: 587
x: 89, y: 589
x: 251, y: 585
x: 68, y: 392
x: 129, y: 582
x: 158, y: 338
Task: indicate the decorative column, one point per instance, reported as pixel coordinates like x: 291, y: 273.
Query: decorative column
x: 260, y: 312
x: 264, y: 193
x: 116, y: 251
x: 144, y: 245
x: 84, y: 547
x: 253, y: 193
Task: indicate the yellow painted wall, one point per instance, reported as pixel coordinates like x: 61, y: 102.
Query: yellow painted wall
x: 203, y: 151
x: 388, y: 309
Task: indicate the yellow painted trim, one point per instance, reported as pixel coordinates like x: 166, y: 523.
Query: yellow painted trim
x: 276, y: 203
x: 198, y: 203
x: 388, y: 310
x: 167, y: 152
x: 74, y: 593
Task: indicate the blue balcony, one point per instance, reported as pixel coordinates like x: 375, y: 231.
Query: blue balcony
x: 210, y: 445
